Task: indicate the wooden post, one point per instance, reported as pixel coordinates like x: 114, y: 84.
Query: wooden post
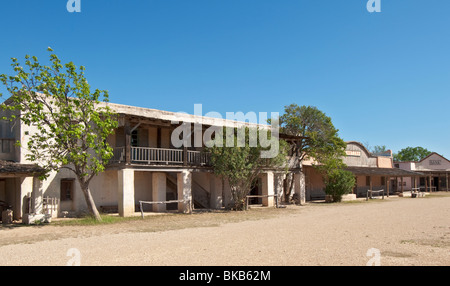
x: 185, y: 155
x: 385, y: 183
x: 426, y: 184
x: 446, y: 181
x: 431, y: 184
x: 439, y: 182
x: 397, y: 184
x: 401, y: 183
x: 388, y: 185
x: 127, y: 130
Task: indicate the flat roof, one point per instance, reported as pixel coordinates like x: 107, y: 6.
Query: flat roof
x: 169, y: 116
x: 179, y: 116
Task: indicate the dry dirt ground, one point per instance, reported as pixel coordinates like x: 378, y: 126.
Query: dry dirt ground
x: 405, y: 231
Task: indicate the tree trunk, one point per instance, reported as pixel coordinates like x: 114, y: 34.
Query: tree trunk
x: 90, y: 202
x: 289, y: 187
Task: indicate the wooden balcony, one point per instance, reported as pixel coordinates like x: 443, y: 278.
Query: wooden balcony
x: 160, y: 156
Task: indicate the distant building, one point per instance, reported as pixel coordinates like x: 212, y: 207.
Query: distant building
x: 372, y: 172
x: 434, y: 171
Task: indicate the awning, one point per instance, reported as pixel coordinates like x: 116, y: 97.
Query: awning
x: 392, y: 172
x: 16, y: 169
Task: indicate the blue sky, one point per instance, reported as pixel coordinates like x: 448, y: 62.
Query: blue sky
x: 384, y: 78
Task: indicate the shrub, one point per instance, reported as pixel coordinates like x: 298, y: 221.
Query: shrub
x: 339, y: 182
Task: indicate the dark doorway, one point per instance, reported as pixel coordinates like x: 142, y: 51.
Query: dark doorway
x: 256, y: 191
x: 436, y: 183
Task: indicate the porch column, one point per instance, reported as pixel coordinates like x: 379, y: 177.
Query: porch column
x: 37, y: 196
x: 184, y: 188
x: 446, y: 181
x: 431, y: 184
x: 401, y: 183
x: 299, y: 185
x: 426, y: 184
x: 159, y: 191
x: 25, y: 188
x: 127, y: 130
x: 385, y: 183
x: 388, y: 184
x: 126, y: 192
x: 267, y: 189
x: 216, y: 198
x: 439, y: 182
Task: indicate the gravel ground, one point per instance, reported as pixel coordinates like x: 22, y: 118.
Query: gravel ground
x: 405, y: 231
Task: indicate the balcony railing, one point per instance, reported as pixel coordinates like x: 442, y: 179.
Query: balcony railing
x: 198, y: 158
x: 154, y: 155
x: 147, y: 155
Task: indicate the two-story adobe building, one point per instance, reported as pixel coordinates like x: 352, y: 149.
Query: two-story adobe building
x: 146, y: 167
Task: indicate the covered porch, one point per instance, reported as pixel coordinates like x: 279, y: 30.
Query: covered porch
x: 431, y: 181
x: 183, y: 190
x: 153, y: 185
x: 376, y: 179
x: 20, y: 189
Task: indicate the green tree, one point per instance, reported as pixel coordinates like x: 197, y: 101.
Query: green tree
x: 378, y: 149
x: 71, y: 126
x: 338, y: 181
x: 411, y: 154
x: 241, y: 163
x: 318, y: 138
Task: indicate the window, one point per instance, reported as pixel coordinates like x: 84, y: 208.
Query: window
x: 367, y: 180
x: 67, y: 189
x: 134, y: 138
x: 5, y: 145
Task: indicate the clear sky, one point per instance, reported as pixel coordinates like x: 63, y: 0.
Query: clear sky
x: 384, y: 78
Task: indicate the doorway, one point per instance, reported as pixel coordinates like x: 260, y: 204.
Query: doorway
x: 436, y: 183
x: 256, y: 191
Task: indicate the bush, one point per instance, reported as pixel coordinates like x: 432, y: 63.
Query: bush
x: 339, y: 182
